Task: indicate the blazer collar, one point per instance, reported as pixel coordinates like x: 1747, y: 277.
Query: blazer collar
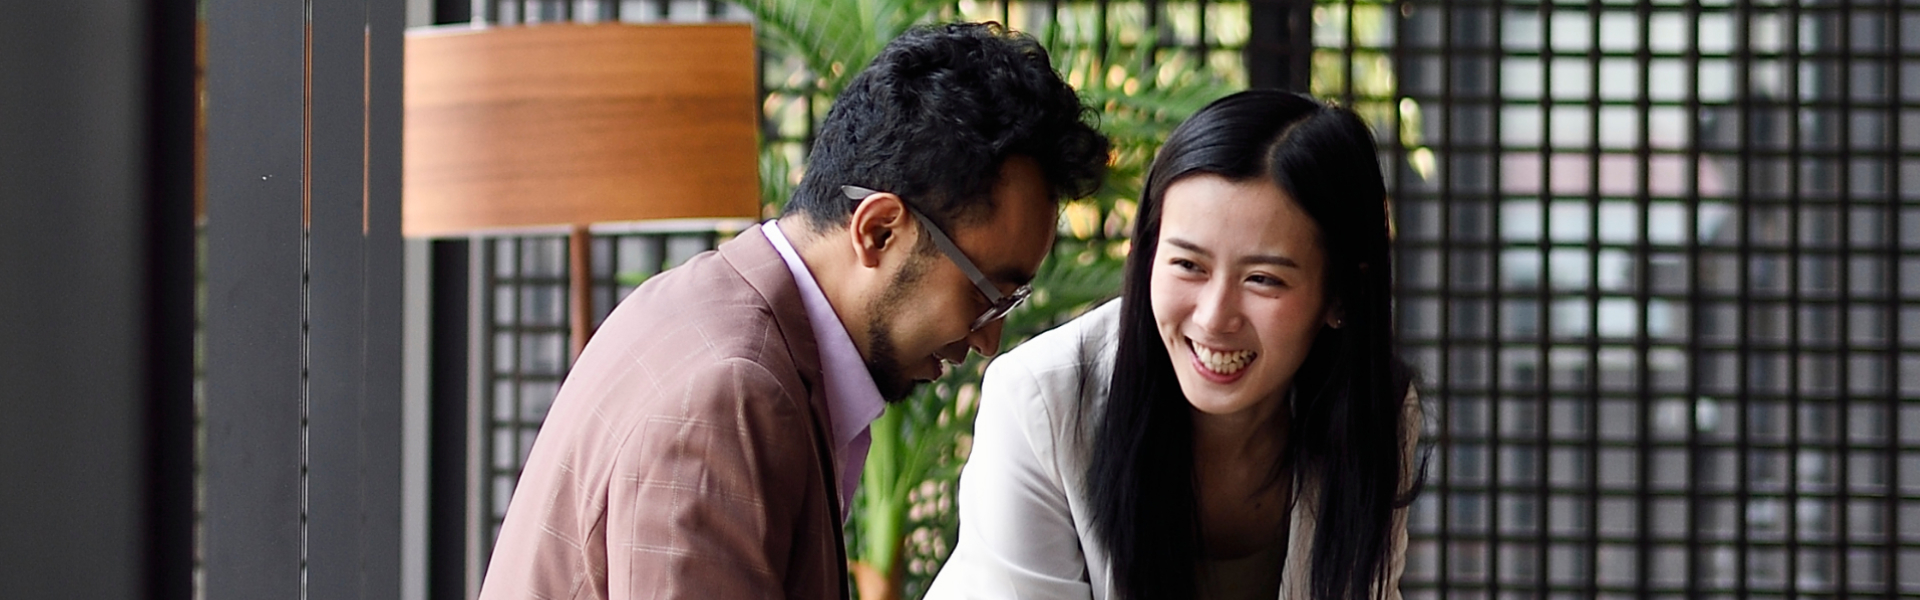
x: 755, y: 258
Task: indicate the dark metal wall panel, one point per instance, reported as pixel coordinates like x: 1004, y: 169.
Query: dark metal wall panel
x: 382, y: 420
x: 336, y: 321
x: 354, y: 418
x: 303, y: 324
x: 255, y: 344
x: 97, y: 225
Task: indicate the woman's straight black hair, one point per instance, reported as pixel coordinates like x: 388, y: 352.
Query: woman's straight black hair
x: 1347, y: 407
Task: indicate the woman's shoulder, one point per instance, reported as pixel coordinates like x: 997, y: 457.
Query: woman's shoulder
x: 1077, y: 352
x: 1058, y: 378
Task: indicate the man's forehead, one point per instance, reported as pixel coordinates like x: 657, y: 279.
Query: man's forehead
x: 1018, y: 232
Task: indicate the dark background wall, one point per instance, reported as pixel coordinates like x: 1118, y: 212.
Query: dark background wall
x: 95, y: 299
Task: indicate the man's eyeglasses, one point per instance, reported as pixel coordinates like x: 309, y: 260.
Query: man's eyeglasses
x: 998, y: 304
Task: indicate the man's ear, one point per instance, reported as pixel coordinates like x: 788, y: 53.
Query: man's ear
x: 878, y: 224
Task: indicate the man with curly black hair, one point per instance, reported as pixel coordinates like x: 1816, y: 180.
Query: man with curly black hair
x: 709, y: 439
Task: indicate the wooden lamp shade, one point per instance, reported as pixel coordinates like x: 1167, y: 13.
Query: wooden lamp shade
x: 568, y: 125
x: 565, y: 125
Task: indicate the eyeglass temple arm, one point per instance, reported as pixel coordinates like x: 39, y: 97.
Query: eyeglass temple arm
x: 940, y: 240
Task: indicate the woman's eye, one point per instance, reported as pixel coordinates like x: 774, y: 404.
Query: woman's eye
x: 1184, y: 265
x: 1266, y: 280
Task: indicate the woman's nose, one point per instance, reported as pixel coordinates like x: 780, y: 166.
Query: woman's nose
x: 1218, y: 308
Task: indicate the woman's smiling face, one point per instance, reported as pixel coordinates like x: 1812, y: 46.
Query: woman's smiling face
x: 1238, y: 291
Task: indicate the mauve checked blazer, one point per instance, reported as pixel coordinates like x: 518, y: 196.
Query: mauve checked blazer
x: 686, y: 455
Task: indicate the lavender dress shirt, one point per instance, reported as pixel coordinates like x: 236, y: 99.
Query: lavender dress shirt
x: 853, y: 400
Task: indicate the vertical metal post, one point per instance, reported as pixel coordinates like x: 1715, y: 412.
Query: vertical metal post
x: 579, y: 290
x: 1151, y: 40
x: 1890, y: 308
x: 1200, y: 46
x: 96, y: 250
x: 172, y: 162
x: 1496, y: 195
x: 1843, y: 42
x: 1796, y: 283
x: 1643, y: 282
x: 256, y: 300
x: 1543, y: 309
x: 1696, y: 310
x: 1591, y: 384
x: 1103, y: 50
x: 1279, y: 51
x: 1299, y: 72
x: 1743, y: 380
x: 447, y: 453
x: 475, y: 529
x: 1347, y: 42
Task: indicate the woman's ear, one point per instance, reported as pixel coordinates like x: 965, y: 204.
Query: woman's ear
x: 876, y: 223
x: 1336, y: 315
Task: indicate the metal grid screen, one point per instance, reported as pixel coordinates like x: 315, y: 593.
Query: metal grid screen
x: 1658, y: 268
x: 521, y: 355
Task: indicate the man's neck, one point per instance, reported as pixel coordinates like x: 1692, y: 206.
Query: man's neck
x: 832, y: 266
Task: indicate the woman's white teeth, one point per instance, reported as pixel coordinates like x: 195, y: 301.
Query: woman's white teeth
x: 1224, y: 363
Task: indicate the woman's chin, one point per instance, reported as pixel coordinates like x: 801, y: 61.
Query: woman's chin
x: 1213, y: 398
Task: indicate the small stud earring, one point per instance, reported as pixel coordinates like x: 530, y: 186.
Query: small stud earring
x: 1337, y: 323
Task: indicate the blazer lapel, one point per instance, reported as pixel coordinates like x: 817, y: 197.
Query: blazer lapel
x: 755, y: 258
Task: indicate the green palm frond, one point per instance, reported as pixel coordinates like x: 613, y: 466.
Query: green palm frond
x: 836, y: 38
x: 1079, y: 274
x: 776, y: 183
x: 1159, y: 107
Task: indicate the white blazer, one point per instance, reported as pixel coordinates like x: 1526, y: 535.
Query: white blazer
x: 1025, y: 526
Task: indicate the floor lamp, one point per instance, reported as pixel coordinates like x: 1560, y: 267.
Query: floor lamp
x: 560, y: 126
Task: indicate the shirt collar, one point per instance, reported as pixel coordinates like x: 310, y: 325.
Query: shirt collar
x: 853, y: 400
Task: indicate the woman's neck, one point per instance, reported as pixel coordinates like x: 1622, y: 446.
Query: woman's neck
x: 1252, y: 436
x: 1241, y: 503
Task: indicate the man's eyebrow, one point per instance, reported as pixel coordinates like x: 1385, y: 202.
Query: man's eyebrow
x: 1262, y: 259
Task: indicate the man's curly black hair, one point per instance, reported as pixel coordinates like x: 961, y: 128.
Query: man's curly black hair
x: 936, y: 114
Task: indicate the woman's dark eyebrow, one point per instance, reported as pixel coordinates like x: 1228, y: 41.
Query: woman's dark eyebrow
x: 1264, y: 259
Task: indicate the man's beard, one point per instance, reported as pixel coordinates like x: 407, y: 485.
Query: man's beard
x: 886, y: 370
x: 882, y: 363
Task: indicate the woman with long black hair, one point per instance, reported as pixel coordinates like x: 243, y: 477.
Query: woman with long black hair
x: 1239, y: 423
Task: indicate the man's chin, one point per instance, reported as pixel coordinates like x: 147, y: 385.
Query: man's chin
x: 893, y: 388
